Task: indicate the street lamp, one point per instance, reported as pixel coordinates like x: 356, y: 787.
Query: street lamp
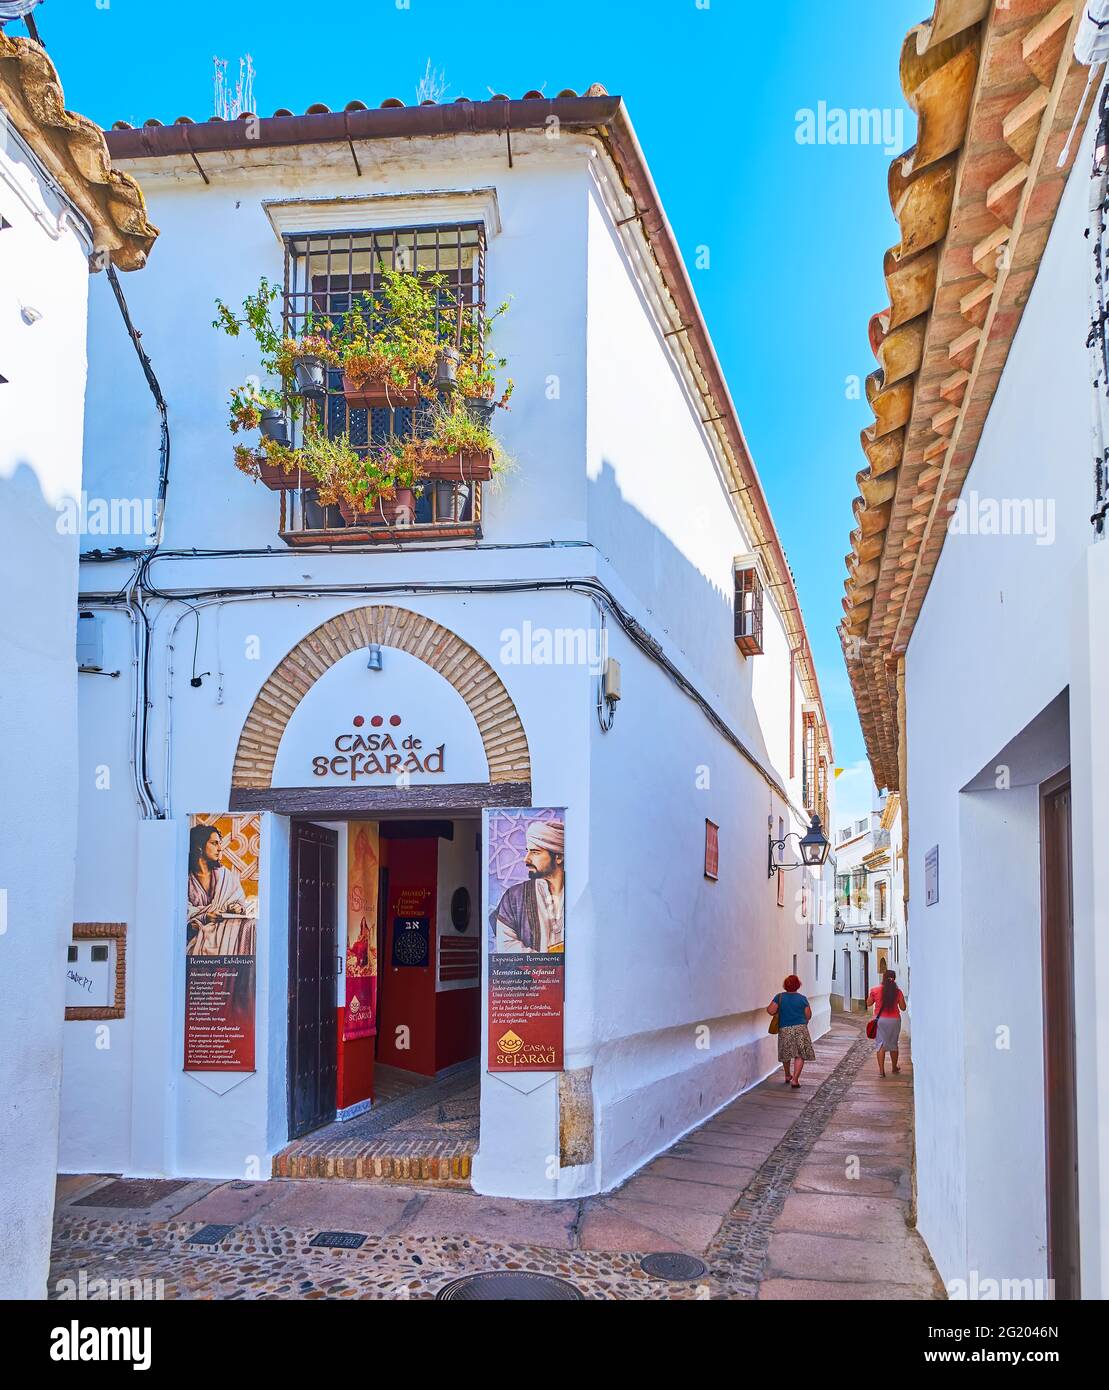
x: 813, y: 845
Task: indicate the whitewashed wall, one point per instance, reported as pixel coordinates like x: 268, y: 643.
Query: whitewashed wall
x: 43, y: 272
x: 653, y: 950
x: 1006, y: 627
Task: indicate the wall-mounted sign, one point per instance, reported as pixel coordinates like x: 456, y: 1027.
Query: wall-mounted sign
x: 389, y: 753
x: 403, y: 725
x: 363, y: 867
x: 932, y: 876
x: 221, y: 942
x: 412, y: 909
x: 411, y: 941
x: 526, y: 886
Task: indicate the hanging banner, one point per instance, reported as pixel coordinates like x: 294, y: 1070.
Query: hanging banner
x: 527, y: 937
x: 363, y: 867
x: 221, y: 942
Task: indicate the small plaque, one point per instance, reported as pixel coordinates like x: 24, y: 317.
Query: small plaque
x: 411, y: 941
x: 932, y: 876
x: 339, y: 1240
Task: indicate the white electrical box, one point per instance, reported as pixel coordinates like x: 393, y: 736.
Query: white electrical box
x: 90, y: 975
x: 90, y: 642
x: 612, y: 680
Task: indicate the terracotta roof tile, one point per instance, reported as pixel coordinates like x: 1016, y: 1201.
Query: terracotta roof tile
x: 75, y: 153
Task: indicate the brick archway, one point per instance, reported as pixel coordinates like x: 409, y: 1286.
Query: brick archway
x: 502, y: 733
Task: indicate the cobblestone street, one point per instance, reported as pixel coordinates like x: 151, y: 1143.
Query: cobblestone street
x: 782, y: 1195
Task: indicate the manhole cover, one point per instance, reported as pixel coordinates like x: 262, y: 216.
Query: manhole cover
x: 338, y: 1240
x: 132, y: 1192
x: 511, y: 1284
x: 209, y: 1235
x: 672, y: 1265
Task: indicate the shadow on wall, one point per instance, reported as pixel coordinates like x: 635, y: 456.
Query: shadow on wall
x: 692, y: 617
x: 38, y: 759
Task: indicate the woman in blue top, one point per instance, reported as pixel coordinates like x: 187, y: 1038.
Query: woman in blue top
x: 794, y: 1044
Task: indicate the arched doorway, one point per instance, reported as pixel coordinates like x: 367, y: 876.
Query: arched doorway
x: 385, y: 878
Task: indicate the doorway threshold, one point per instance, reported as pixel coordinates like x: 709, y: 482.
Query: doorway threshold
x: 426, y: 1134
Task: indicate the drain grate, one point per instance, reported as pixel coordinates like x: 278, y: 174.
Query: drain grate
x: 673, y: 1265
x: 132, y: 1192
x: 338, y: 1240
x: 509, y: 1284
x: 209, y: 1235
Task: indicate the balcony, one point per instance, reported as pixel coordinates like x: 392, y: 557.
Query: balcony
x: 436, y: 511
x: 380, y: 427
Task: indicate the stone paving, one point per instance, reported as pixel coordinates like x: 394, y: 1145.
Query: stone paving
x: 782, y: 1194
x: 424, y: 1133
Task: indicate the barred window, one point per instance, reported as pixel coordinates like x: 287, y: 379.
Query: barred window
x: 748, y: 610
x: 330, y: 274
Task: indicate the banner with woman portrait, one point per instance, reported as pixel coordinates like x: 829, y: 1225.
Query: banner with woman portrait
x: 221, y: 941
x: 526, y: 887
x: 363, y: 867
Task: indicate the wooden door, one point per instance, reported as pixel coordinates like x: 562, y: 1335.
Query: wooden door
x: 313, y: 967
x: 1060, y: 1103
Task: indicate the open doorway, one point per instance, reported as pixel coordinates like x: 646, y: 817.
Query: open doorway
x: 1060, y: 1101
x: 385, y: 976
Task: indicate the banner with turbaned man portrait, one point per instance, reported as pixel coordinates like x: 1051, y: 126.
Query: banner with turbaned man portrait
x: 526, y: 897
x: 221, y: 941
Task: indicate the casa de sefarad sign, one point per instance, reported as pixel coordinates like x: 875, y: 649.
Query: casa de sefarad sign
x: 380, y: 752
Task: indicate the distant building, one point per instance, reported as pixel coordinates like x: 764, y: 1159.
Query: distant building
x: 870, y: 935
x: 64, y: 211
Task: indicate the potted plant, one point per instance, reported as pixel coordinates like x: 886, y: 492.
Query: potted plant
x: 372, y: 486
x: 476, y: 374
x: 303, y: 362
x: 456, y: 449
x: 389, y: 343
x: 273, y: 464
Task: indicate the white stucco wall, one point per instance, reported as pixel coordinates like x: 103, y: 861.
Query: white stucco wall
x: 43, y: 298
x: 653, y: 949
x: 1005, y: 628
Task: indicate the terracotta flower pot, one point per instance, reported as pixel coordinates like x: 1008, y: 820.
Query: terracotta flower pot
x: 382, y: 393
x: 472, y: 466
x: 388, y: 511
x: 274, y: 477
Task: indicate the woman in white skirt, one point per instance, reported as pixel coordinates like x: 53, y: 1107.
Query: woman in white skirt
x: 889, y: 1005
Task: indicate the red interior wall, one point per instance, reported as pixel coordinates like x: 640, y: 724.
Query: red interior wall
x: 457, y: 1026
x: 406, y: 994
x: 355, y: 1075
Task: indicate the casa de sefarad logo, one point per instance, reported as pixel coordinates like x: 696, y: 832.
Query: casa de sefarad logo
x: 510, y: 1045
x: 384, y: 751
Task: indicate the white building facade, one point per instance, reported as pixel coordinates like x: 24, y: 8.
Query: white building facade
x: 55, y: 226
x: 976, y: 605
x: 870, y: 935
x: 622, y: 535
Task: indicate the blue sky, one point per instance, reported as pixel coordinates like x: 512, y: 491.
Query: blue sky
x: 795, y: 231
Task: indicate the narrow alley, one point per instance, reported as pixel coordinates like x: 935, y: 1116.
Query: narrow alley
x: 780, y: 1195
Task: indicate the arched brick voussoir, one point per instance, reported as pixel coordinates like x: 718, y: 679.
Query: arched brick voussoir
x: 502, y: 732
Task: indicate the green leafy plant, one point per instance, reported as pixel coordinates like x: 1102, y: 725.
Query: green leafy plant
x: 476, y: 377
x: 247, y: 404
x: 394, y: 334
